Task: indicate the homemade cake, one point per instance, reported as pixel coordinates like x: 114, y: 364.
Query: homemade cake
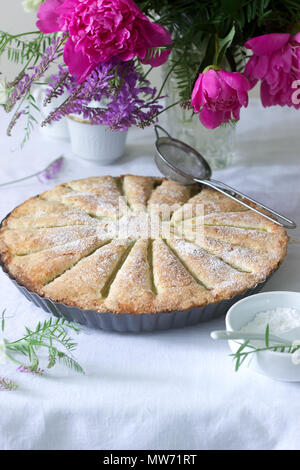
x: 137, y: 244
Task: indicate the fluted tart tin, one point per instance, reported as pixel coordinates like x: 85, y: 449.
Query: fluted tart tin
x: 134, y: 323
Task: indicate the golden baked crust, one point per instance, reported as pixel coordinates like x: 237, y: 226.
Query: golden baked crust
x: 84, y: 243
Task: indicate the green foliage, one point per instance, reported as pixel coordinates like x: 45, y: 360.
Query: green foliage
x: 246, y: 349
x: 52, y: 336
x: 25, y: 47
x: 30, y: 119
x: 28, y: 51
x: 212, y: 32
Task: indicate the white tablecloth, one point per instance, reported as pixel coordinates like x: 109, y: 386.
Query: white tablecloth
x: 169, y: 390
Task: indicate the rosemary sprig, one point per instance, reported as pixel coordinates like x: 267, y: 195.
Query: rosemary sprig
x: 52, y: 336
x: 246, y: 349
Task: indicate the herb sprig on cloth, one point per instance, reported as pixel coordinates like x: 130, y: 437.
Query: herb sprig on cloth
x: 246, y: 349
x: 52, y: 336
x: 44, y: 175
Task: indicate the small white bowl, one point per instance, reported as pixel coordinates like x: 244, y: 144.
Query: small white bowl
x: 277, y: 365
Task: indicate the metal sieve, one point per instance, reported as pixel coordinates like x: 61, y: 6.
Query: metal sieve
x: 182, y: 163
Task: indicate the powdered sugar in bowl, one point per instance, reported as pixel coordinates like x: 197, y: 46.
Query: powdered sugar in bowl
x: 281, y: 310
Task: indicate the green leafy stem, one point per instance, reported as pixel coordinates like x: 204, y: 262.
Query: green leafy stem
x: 246, y: 349
x: 50, y: 335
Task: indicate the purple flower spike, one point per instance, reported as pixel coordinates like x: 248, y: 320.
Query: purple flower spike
x: 28, y: 370
x: 25, y: 81
x: 47, y: 174
x: 51, y: 170
x: 122, y: 96
x: 7, y: 385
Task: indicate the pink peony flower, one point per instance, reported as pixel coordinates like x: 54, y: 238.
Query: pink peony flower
x: 102, y: 29
x: 218, y: 96
x: 276, y: 62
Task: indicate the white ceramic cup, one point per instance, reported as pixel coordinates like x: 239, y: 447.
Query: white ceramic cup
x: 95, y: 142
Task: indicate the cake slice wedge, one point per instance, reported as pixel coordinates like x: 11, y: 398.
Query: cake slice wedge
x: 83, y: 284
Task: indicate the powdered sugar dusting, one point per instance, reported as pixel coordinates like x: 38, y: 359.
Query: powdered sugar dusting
x: 280, y: 320
x: 235, y: 243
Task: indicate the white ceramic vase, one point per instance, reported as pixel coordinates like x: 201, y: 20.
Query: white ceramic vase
x: 95, y: 142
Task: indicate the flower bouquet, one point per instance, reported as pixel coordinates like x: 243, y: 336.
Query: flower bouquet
x: 103, y: 52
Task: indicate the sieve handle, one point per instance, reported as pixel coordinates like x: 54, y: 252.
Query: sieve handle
x: 156, y: 127
x: 233, y: 193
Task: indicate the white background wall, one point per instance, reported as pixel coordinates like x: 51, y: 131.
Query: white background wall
x: 13, y: 18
